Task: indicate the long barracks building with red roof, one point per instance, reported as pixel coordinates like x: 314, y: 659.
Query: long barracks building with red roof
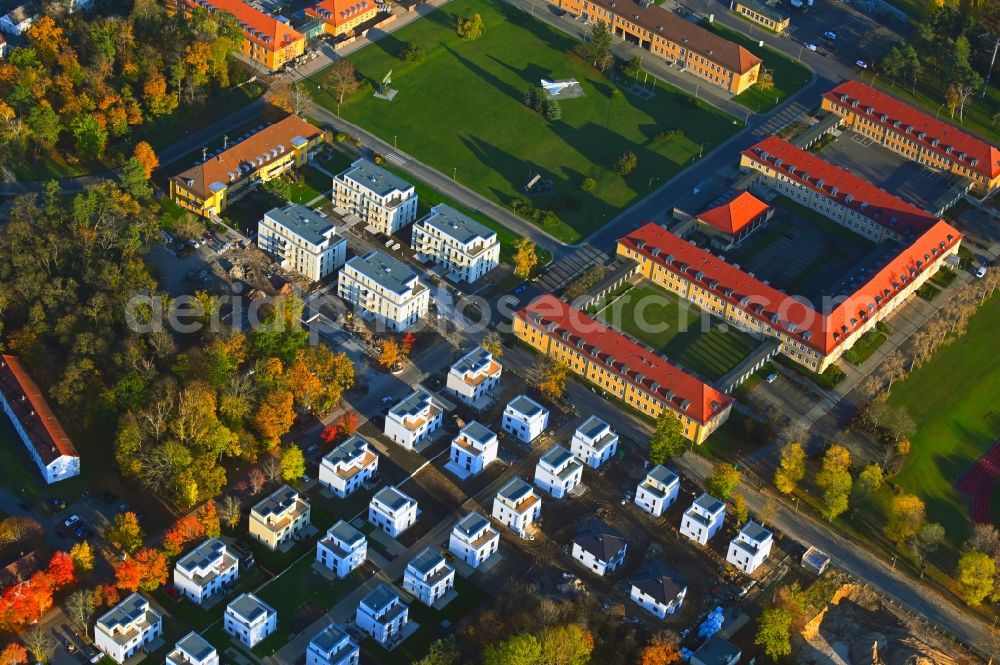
x: 621, y: 366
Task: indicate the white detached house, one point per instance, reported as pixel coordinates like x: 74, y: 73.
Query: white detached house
x: 558, y: 472
x: 332, y: 646
x: 472, y: 450
x: 392, y: 511
x: 524, y: 418
x: 127, y: 627
x: 193, y: 649
x: 657, y: 490
x: 474, y: 540
x: 750, y: 547
x: 594, y: 442
x: 249, y: 619
x: 414, y: 419
x: 598, y: 547
x: 205, y: 570
x: 658, y: 589
x: 429, y: 577
x: 703, y: 519
x: 343, y: 549
x: 382, y: 615
x: 348, y: 466
x: 474, y: 378
x: 517, y: 506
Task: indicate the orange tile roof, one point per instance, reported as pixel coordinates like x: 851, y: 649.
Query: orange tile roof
x: 45, y: 432
x: 732, y: 216
x: 625, y: 357
x: 258, y: 27
x: 261, y: 148
x: 974, y: 149
x: 338, y: 12
x: 793, y: 315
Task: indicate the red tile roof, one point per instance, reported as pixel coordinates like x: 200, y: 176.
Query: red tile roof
x: 614, y: 351
x: 791, y: 314
x: 28, y: 403
x: 338, y: 12
x: 732, y: 216
x: 258, y: 27
x: 847, y: 189
x: 985, y: 156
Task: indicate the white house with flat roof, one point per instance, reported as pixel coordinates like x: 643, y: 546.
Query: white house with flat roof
x: 594, y: 442
x: 193, y: 649
x: 301, y: 239
x: 466, y: 249
x: 127, y: 627
x: 517, y: 506
x: 332, y: 646
x: 474, y: 378
x: 429, y: 577
x: 348, y: 466
x: 558, y: 472
x: 383, y: 200
x: 474, y: 540
x: 474, y: 449
x: 205, y: 571
x: 598, y: 547
x: 382, y: 615
x: 750, y: 547
x: 703, y: 519
x: 414, y: 419
x: 524, y: 418
x: 384, y: 290
x: 658, y: 589
x: 392, y: 511
x: 657, y: 490
x: 279, y: 518
x: 343, y: 549
x: 249, y: 619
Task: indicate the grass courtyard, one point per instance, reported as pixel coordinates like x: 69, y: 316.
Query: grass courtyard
x: 472, y: 93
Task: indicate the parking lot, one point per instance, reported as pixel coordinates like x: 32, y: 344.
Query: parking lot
x: 860, y: 36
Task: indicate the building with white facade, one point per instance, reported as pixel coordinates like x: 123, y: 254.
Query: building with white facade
x: 657, y: 490
x: 205, y: 571
x: 300, y: 239
x: 524, y: 418
x: 392, y: 511
x: 598, y: 547
x: 384, y: 201
x: 472, y: 450
x: 750, y: 547
x: 414, y: 419
x: 193, y: 649
x: 332, y: 646
x: 279, y: 518
x: 474, y: 378
x: 429, y: 577
x: 474, y: 540
x: 348, y: 466
x: 466, y: 249
x: 703, y: 519
x: 17, y: 21
x: 384, y: 290
x: 343, y: 549
x: 249, y: 619
x: 382, y: 615
x: 558, y: 472
x: 594, y: 442
x: 658, y: 589
x: 127, y: 627
x: 517, y: 506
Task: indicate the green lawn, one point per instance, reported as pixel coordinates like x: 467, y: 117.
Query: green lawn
x: 865, y: 347
x: 471, y: 93
x: 309, y: 184
x: 20, y: 474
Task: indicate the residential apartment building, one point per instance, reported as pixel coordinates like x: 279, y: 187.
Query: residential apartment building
x: 472, y: 450
x: 517, y: 506
x: 343, y: 549
x: 267, y: 152
x: 392, y: 511
x: 703, y: 519
x: 558, y: 472
x: 35, y: 423
x: 302, y: 240
x: 342, y: 17
x: 682, y: 43
x: 332, y: 646
x: 598, y: 547
x: 524, y: 418
x: 594, y: 442
x: 348, y: 466
x: 621, y: 366
x: 193, y: 649
x: 474, y: 540
x: 384, y: 290
x: 657, y: 490
x: 750, y: 547
x: 127, y: 627
x: 914, y: 134
x: 763, y: 13
x: 205, y: 571
x: 658, y: 589
x: 474, y: 378
x: 429, y: 577
x: 249, y: 619
x: 279, y: 518
x: 466, y: 249
x: 382, y: 615
x: 414, y: 419
x: 384, y: 201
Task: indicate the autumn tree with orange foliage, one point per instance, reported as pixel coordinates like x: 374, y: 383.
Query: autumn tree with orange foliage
x: 144, y: 153
x: 128, y: 575
x: 14, y: 654
x: 208, y: 516
x: 349, y: 423
x: 661, y: 650
x: 26, y: 603
x: 275, y: 415
x: 185, y: 530
x: 153, y: 566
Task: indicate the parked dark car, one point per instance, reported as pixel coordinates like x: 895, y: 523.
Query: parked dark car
x: 243, y: 553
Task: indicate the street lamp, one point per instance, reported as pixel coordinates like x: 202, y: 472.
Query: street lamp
x: 393, y: 140
x: 454, y: 173
x: 649, y: 186
x: 701, y: 149
x: 796, y: 504
x: 894, y: 562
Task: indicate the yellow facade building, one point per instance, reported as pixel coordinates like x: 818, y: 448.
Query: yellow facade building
x: 342, y: 17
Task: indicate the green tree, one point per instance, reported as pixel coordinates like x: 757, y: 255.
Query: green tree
x: 442, y: 652
x: 525, y: 257
x: 927, y: 540
x: 132, y: 178
x: 91, y: 139
x: 293, y: 463
x: 597, y: 48
x: 774, y: 633
x: 834, y: 478
x: 632, y: 68
x: 412, y: 52
x: 625, y: 163
x: 588, y: 184
x: 44, y: 124
x: 905, y: 518
x: 868, y: 481
x: 566, y: 645
x: 668, y: 438
x: 791, y: 469
x: 738, y: 508
x: 471, y: 28
x: 125, y: 532
x: 723, y: 480
x: 523, y: 649
x: 975, y: 576
x: 893, y: 63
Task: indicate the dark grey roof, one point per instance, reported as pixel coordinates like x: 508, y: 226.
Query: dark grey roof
x: 125, y: 612
x: 385, y: 271
x: 426, y: 561
x: 329, y: 638
x: 202, y: 556
x: 478, y: 432
x: 281, y: 500
x: 755, y: 532
x: 592, y: 427
x: 195, y: 646
x: 555, y: 457
x: 414, y: 403
x: 659, y: 582
x: 717, y: 651
x: 662, y: 474
x: 525, y: 405
x: 349, y: 450
x: 473, y: 361
x: 462, y: 228
x: 371, y: 176
x: 604, y: 542
x: 392, y: 497
x: 515, y: 490
x: 472, y: 524
x: 249, y: 607
x: 303, y: 222
x: 709, y: 503
x: 345, y: 533
x: 380, y: 597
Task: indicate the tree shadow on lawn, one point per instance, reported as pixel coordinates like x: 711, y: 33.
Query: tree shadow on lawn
x: 551, y: 37
x: 387, y: 42
x: 532, y: 74
x: 489, y: 77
